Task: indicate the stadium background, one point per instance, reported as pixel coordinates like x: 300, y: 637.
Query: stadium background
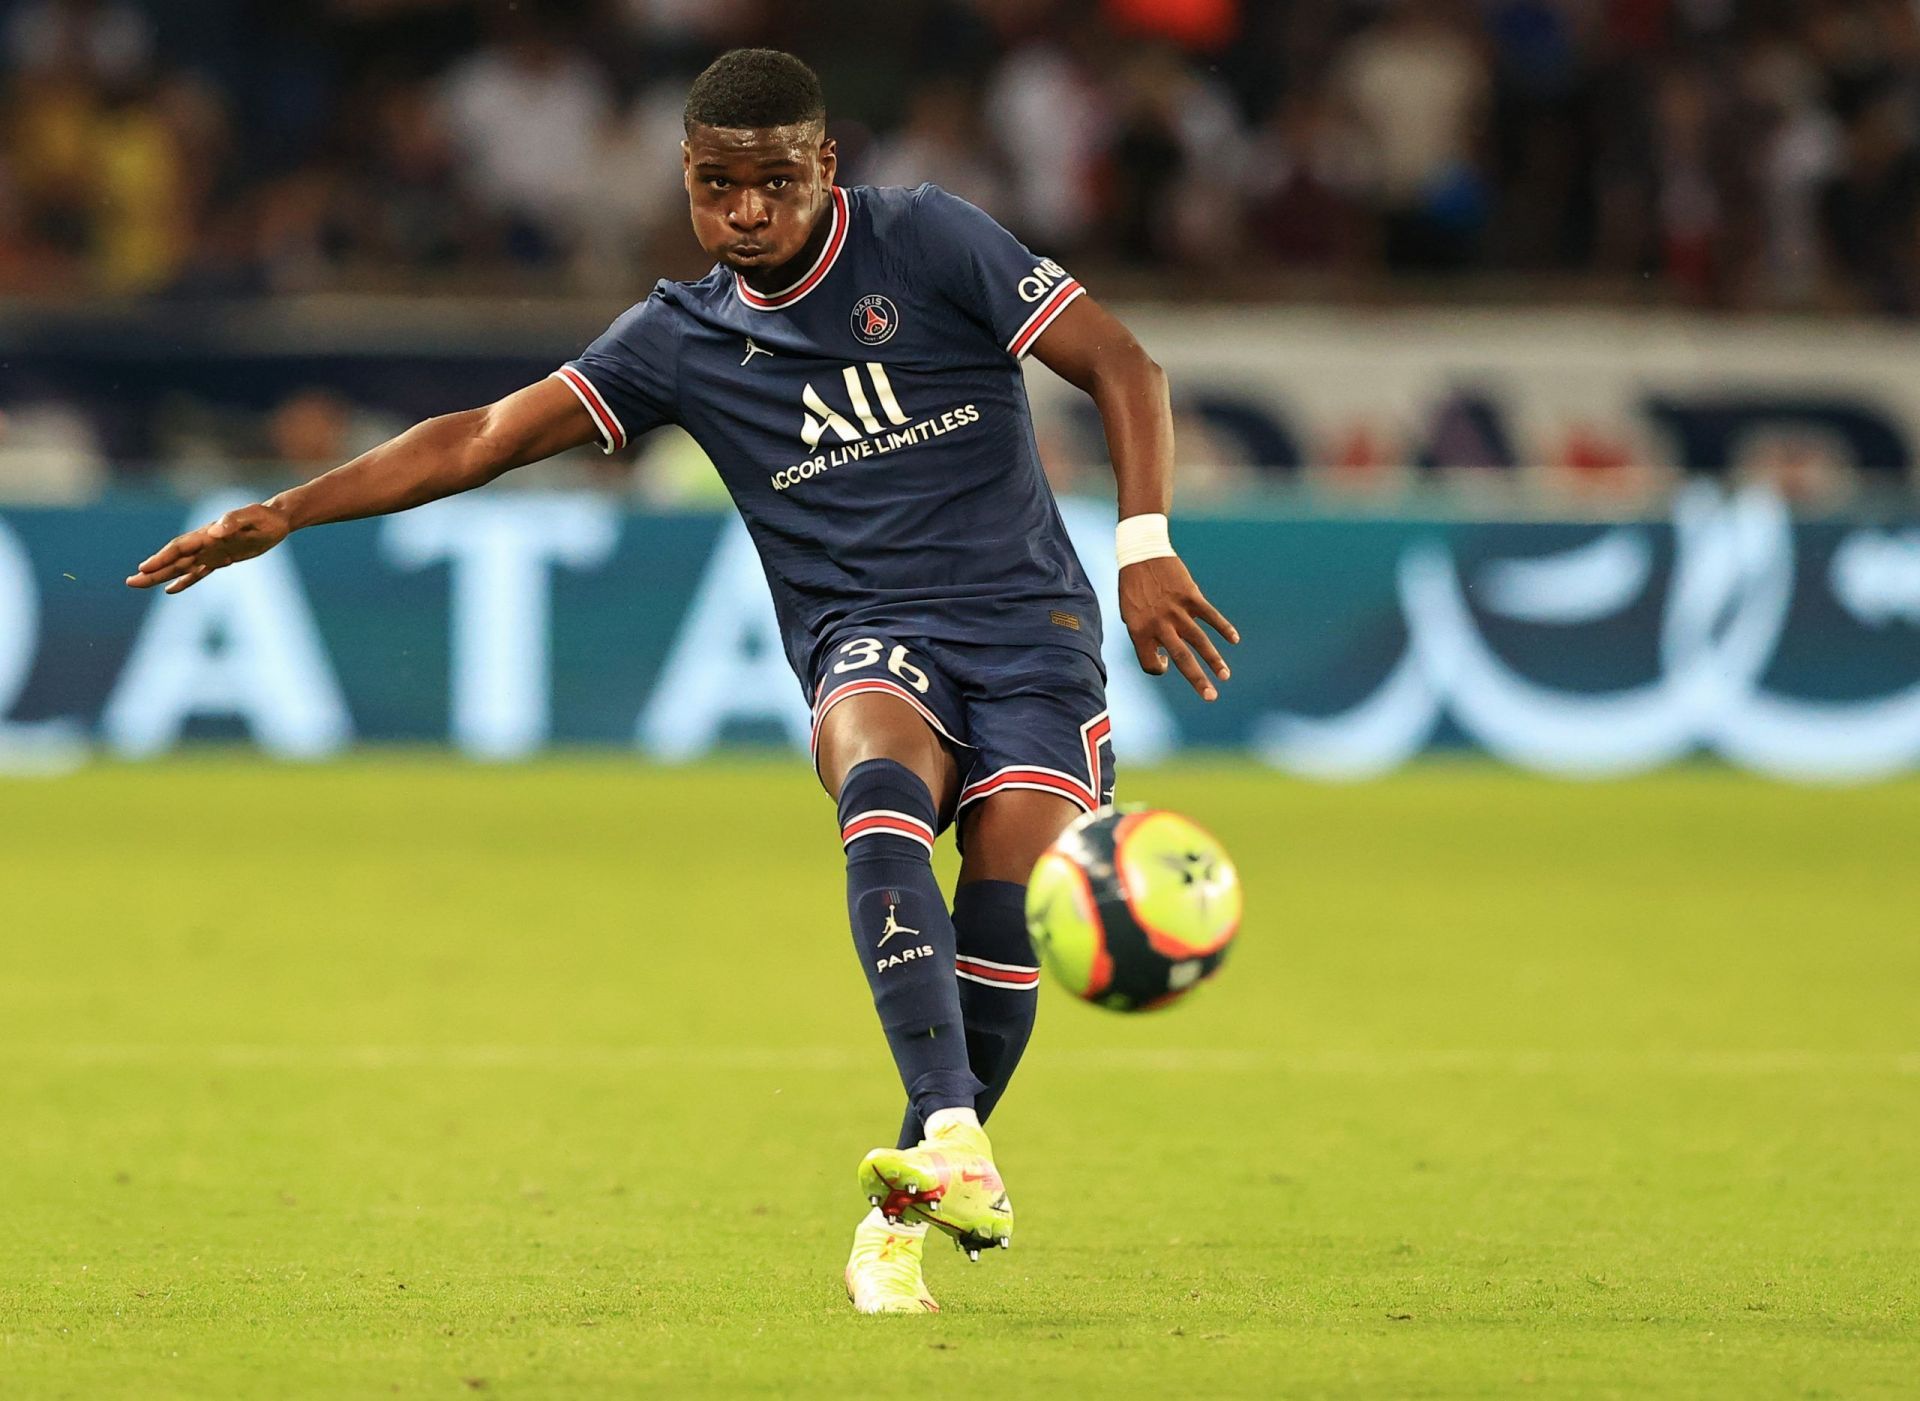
x: 1546, y: 392
x: 1420, y: 272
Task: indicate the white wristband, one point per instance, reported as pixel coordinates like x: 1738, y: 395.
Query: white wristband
x: 1141, y: 537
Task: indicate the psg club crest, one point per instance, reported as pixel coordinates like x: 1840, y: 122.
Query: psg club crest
x: 874, y: 319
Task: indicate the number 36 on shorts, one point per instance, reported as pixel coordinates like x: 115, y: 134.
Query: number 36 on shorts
x: 860, y: 653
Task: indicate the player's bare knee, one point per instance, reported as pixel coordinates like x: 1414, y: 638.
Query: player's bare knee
x: 881, y: 727
x: 1006, y: 833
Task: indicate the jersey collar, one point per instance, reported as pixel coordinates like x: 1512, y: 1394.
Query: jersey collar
x: 815, y: 275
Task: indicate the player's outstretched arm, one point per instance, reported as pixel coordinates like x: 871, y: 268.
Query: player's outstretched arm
x: 440, y: 457
x: 1159, y: 602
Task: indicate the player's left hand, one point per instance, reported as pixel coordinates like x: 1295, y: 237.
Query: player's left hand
x: 1163, y: 609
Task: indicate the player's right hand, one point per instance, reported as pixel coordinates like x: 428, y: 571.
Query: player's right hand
x: 187, y: 559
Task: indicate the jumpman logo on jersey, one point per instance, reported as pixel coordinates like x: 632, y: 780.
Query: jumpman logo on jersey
x: 892, y: 927
x: 753, y: 350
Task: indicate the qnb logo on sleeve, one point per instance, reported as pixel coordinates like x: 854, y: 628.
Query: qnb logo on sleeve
x: 1041, y: 281
x: 858, y: 432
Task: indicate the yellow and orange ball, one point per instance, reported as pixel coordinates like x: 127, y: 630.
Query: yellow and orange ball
x: 1133, y: 908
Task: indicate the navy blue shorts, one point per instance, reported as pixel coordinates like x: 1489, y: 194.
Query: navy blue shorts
x: 1016, y: 717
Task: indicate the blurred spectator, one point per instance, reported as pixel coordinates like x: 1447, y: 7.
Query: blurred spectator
x: 49, y: 454
x: 528, y: 112
x: 141, y: 227
x: 115, y: 174
x: 1536, y: 141
x: 209, y: 444
x: 1307, y: 173
x: 51, y: 122
x: 1177, y: 161
x: 1419, y: 89
x: 942, y: 141
x: 419, y: 214
x: 316, y: 429
x: 108, y: 42
x: 1873, y: 205
x: 1687, y: 200
x: 636, y: 221
x: 1800, y: 149
x: 1051, y: 115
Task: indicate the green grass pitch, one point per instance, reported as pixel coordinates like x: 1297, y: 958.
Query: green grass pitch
x: 406, y: 1077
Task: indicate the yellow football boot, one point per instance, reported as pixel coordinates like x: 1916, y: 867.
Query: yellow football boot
x: 883, y: 1273
x: 947, y: 1180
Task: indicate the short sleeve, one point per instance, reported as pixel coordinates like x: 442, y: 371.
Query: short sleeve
x: 626, y: 378
x: 987, y: 272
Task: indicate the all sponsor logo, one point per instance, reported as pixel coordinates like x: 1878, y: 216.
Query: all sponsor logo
x: 821, y: 418
x: 873, y: 424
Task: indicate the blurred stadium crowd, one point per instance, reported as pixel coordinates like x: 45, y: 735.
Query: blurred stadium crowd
x: 200, y: 154
x: 1754, y: 154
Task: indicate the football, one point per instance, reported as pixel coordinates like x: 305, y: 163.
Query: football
x: 1133, y: 908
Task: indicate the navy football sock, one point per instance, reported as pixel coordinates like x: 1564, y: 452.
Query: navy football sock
x: 903, y: 933
x: 999, y: 981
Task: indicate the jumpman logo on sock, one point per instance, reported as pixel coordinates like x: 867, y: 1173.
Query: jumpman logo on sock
x: 892, y: 926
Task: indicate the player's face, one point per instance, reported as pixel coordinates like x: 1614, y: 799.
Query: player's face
x: 756, y: 193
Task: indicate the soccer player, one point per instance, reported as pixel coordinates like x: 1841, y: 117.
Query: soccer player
x: 852, y: 366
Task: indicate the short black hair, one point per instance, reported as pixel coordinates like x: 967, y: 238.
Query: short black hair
x: 751, y: 88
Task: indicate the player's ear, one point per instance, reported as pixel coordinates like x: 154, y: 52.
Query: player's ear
x: 829, y: 159
x: 686, y: 166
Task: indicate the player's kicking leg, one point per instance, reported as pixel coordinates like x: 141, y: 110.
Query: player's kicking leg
x: 997, y: 981
x: 1002, y: 836
x: 883, y: 763
x: 1038, y: 756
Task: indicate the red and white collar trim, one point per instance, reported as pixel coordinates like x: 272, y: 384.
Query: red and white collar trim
x: 815, y: 275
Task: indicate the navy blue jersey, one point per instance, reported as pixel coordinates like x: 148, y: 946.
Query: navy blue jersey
x: 871, y: 424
